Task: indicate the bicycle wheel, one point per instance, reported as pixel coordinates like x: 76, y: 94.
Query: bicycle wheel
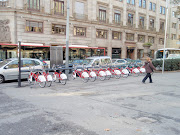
x: 135, y: 74
x: 63, y: 81
x: 73, y: 75
x: 117, y: 76
x: 56, y: 78
x: 85, y: 79
x: 42, y: 84
x: 125, y: 75
x: 102, y: 78
x: 48, y: 83
x: 108, y: 77
x: 92, y: 79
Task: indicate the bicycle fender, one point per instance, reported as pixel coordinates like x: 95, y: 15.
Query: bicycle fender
x: 63, y: 76
x: 42, y: 78
x: 93, y: 74
x: 117, y: 72
x: 142, y: 70
x: 125, y: 71
x: 30, y: 79
x: 49, y: 78
x: 108, y: 72
x: 85, y: 74
x: 102, y: 73
x: 136, y: 70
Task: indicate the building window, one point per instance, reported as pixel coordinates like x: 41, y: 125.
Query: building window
x: 161, y: 25
x: 130, y: 19
x: 58, y: 29
x: 132, y: 2
x: 59, y: 7
x: 173, y: 36
x: 162, y: 10
x: 141, y: 21
x: 80, y: 31
x: 151, y: 39
x: 154, y: 7
x: 161, y: 41
x: 34, y: 4
x: 101, y: 34
x: 129, y: 37
x: 32, y: 26
x: 174, y: 25
x: 150, y: 6
x: 173, y: 14
x: 142, y: 3
x: 141, y: 38
x: 102, y: 15
x: 117, y: 17
x: 116, y: 35
x: 151, y: 22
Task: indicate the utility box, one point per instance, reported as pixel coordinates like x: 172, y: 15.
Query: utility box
x: 56, y: 55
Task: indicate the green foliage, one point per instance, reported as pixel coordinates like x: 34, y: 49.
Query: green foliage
x: 147, y: 44
x: 169, y: 64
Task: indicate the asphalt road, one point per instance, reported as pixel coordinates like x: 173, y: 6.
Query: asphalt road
x: 122, y: 106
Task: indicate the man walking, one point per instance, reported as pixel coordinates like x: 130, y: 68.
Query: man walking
x: 149, y: 69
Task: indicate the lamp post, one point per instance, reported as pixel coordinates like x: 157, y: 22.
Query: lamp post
x: 67, y: 39
x: 19, y: 63
x: 164, y: 53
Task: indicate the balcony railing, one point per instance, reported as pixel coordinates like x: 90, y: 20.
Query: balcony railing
x: 80, y: 16
x: 162, y: 31
x: 118, y: 23
x: 131, y: 26
x: 102, y: 21
x: 4, y: 3
x: 142, y: 27
x: 152, y: 29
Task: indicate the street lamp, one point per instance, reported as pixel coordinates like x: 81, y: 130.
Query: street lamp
x: 67, y: 40
x: 165, y: 36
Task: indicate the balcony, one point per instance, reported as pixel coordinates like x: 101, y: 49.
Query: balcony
x: 106, y: 21
x: 142, y: 27
x: 118, y: 23
x: 131, y: 26
x: 4, y: 3
x: 162, y: 31
x: 80, y: 16
x: 153, y: 29
x: 131, y: 7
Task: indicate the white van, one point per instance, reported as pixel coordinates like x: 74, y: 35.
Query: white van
x: 97, y: 61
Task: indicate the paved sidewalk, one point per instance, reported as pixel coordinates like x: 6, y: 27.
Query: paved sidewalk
x: 122, y: 106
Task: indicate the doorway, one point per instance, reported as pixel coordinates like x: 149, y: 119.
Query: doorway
x: 130, y: 53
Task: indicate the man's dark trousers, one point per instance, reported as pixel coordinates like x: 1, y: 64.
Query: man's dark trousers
x: 147, y: 75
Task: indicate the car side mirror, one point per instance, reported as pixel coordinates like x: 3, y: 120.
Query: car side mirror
x: 6, y: 67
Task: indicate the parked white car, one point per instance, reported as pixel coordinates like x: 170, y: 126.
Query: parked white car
x: 9, y: 68
x: 97, y: 61
x: 119, y: 62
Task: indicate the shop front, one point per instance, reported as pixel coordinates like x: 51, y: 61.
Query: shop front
x: 43, y: 52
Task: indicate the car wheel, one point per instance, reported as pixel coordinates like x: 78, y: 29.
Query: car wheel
x: 1, y: 79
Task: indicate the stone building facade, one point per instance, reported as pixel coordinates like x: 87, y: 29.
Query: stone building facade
x: 120, y: 26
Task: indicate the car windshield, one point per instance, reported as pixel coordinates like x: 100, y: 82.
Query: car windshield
x: 88, y: 61
x: 113, y: 61
x: 4, y: 62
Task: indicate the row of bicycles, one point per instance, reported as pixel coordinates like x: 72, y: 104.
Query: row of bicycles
x: 43, y: 78
x: 46, y: 77
x: 105, y: 73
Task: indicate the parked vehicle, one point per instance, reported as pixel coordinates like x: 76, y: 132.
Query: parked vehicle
x: 9, y: 68
x: 119, y: 62
x: 97, y: 61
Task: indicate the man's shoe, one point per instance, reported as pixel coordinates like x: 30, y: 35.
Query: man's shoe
x: 143, y: 82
